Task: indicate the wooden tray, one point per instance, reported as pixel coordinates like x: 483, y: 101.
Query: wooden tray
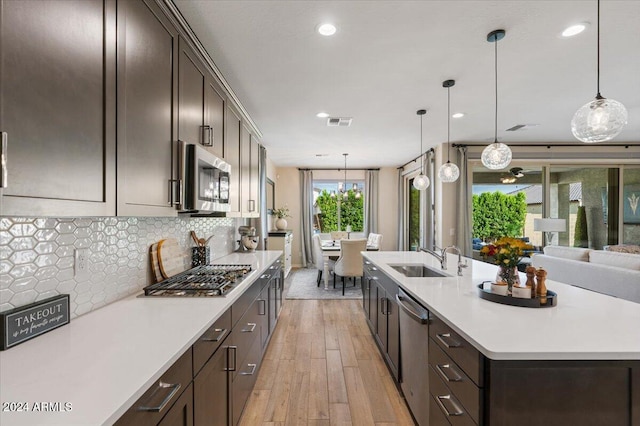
x: 552, y: 298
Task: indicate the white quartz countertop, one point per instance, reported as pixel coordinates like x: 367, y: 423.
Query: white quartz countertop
x: 102, y: 362
x: 583, y: 326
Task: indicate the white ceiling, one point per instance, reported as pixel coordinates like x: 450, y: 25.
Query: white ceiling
x: 389, y: 58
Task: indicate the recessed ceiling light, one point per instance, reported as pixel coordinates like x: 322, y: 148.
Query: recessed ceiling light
x: 327, y: 29
x: 458, y: 115
x: 322, y: 115
x: 574, y: 30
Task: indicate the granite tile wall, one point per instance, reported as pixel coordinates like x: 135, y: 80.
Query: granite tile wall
x: 37, y: 255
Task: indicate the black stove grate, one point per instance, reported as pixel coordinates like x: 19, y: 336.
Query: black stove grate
x: 201, y: 281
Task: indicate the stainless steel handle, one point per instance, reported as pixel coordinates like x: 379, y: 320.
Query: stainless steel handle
x: 382, y: 306
x: 235, y: 353
x: 3, y: 159
x: 265, y: 276
x: 451, y: 343
x: 250, y: 324
x: 457, y: 411
x: 263, y: 309
x: 173, y: 201
x: 207, y: 135
x: 252, y: 205
x: 441, y: 369
x: 221, y: 333
x: 412, y: 314
x: 171, y: 390
x: 253, y: 370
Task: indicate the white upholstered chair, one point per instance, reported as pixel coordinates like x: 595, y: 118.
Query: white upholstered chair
x: 318, y: 259
x: 350, y: 262
x: 339, y: 235
x: 374, y: 241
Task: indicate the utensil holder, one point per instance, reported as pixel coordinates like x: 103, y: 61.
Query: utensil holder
x: 199, y: 256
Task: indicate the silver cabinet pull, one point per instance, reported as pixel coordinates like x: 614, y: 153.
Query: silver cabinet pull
x: 221, y: 333
x: 3, y: 159
x: 262, y: 310
x: 449, y: 342
x: 173, y: 183
x: 457, y: 411
x: 250, y: 324
x: 235, y: 353
x: 251, y: 205
x: 171, y: 390
x: 207, y: 135
x: 447, y: 367
x: 253, y: 370
x: 266, y: 276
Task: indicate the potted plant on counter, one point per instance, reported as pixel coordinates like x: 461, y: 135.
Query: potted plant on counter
x: 281, y: 214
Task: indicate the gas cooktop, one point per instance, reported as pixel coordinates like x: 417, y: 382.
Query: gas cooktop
x: 201, y: 281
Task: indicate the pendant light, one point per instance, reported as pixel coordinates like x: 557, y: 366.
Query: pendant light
x: 601, y: 119
x: 448, y: 172
x: 421, y: 182
x: 497, y: 155
x: 342, y: 186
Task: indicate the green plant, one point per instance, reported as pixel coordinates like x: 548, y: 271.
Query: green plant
x: 351, y: 212
x: 498, y: 215
x: 282, y: 212
x: 581, y: 235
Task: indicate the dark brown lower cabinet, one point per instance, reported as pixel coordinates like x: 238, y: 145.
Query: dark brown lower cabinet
x: 210, y: 389
x: 181, y: 414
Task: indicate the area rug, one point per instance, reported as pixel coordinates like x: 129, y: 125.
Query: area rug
x: 303, y: 286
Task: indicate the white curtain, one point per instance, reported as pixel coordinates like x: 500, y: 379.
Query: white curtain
x: 401, y: 210
x: 306, y: 218
x: 428, y: 217
x: 371, y: 201
x: 463, y: 214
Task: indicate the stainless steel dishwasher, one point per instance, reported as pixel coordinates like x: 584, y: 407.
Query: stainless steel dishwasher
x: 414, y: 356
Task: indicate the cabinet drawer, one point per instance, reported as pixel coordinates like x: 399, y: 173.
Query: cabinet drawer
x: 159, y: 398
x: 207, y: 344
x: 462, y: 352
x: 447, y: 402
x: 436, y: 416
x: 244, y: 380
x: 456, y: 380
x: 240, y: 306
x: 246, y: 332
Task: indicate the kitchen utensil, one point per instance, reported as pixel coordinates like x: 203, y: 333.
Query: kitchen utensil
x: 155, y: 265
x: 195, y: 238
x: 171, y: 257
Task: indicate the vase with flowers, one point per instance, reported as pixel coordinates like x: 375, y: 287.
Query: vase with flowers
x: 506, y: 253
x: 281, y: 215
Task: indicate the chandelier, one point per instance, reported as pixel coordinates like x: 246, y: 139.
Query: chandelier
x: 342, y: 186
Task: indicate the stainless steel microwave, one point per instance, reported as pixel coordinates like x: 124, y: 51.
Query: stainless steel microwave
x: 206, y: 181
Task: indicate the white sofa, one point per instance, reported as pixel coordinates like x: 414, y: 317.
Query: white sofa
x: 612, y: 273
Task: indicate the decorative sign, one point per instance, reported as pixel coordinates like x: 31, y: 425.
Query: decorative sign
x: 26, y: 322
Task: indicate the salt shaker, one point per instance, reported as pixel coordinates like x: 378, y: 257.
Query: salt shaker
x: 531, y: 282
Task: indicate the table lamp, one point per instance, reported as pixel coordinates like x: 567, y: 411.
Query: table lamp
x: 549, y: 225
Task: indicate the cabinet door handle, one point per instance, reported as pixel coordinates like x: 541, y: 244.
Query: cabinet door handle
x: 250, y: 324
x: 457, y: 411
x: 4, y: 142
x: 382, y: 306
x: 253, y: 370
x: 449, y: 342
x: 442, y: 368
x: 221, y: 333
x: 262, y: 310
x: 251, y: 205
x: 266, y: 276
x: 207, y: 135
x: 172, y: 184
x: 235, y: 352
x: 170, y: 389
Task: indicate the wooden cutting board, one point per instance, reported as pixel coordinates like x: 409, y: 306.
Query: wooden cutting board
x: 155, y: 263
x: 170, y: 257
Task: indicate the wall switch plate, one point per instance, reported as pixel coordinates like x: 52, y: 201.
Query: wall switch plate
x: 81, y: 264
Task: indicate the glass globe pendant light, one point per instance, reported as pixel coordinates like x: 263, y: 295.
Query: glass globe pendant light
x: 497, y: 155
x: 448, y: 172
x: 601, y: 119
x: 421, y: 182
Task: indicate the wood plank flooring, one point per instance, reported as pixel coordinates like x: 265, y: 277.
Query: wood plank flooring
x: 322, y: 367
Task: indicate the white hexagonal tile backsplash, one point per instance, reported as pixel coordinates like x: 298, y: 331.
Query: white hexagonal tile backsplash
x: 37, y: 255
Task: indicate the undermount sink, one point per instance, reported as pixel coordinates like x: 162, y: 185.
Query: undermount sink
x: 417, y: 270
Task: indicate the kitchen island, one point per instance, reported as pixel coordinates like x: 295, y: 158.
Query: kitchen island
x: 92, y: 370
x: 579, y: 360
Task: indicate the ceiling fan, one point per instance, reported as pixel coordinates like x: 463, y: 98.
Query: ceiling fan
x: 514, y: 174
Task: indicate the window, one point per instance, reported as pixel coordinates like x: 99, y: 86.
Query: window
x: 333, y: 211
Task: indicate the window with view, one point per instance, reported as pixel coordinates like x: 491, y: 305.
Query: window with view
x: 338, y: 207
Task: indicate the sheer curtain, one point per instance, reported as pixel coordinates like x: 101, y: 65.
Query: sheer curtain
x: 306, y: 216
x: 401, y: 210
x: 371, y: 201
x: 463, y: 217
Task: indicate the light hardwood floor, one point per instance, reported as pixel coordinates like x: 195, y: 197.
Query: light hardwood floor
x: 322, y: 367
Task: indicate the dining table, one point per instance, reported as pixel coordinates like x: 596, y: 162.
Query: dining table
x: 331, y: 249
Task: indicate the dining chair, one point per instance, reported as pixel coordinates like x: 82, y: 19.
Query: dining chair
x: 350, y: 262
x: 339, y: 235
x: 318, y: 258
x: 374, y: 241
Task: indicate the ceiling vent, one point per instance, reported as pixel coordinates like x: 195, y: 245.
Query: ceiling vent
x: 339, y: 121
x: 521, y: 127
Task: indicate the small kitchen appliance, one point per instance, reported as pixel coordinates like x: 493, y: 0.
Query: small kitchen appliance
x: 248, y: 239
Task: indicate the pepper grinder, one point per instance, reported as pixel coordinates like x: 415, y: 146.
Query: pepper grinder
x: 541, y: 277
x: 531, y: 282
